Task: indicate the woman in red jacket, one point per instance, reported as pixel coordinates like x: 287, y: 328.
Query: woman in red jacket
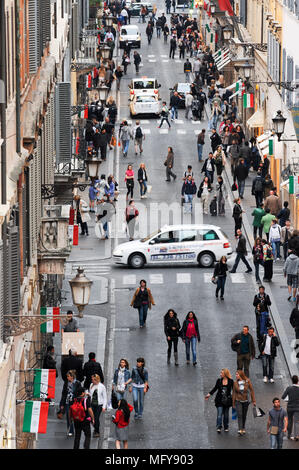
x: 122, y: 419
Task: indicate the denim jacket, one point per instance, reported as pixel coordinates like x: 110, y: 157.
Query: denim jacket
x: 136, y: 377
x: 127, y: 376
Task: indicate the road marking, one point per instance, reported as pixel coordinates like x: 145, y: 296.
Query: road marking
x: 237, y: 278
x: 179, y: 121
x: 156, y: 279
x: 150, y: 55
x: 178, y: 61
x: 129, y: 279
x: 195, y: 122
x: 164, y: 55
x: 144, y: 121
x: 163, y: 131
x: 146, y: 131
x: 165, y: 60
x: 181, y: 131
x: 183, y: 278
x: 207, y: 277
x: 152, y: 60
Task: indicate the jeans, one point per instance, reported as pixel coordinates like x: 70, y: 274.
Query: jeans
x: 215, y: 120
x: 188, y: 200
x: 210, y: 175
x: 142, y: 314
x: 268, y: 361
x: 276, y: 249
x: 158, y: 32
x: 257, y: 269
x: 187, y: 75
x: 174, y: 112
x: 70, y: 424
x: 143, y: 188
x: 125, y: 144
x: 220, y: 285
x: 120, y: 395
x: 242, y: 408
x: 241, y: 186
x: 79, y: 427
x: 97, y: 410
x: 138, y: 398
x: 243, y: 258
x: 199, y: 151
x: 191, y: 341
x: 222, y: 414
x: 276, y: 440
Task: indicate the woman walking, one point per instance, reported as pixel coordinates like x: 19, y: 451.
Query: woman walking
x: 143, y: 300
x: 139, y: 386
x: 121, y: 379
x: 169, y: 165
x: 220, y: 160
x: 122, y: 420
x: 237, y: 215
x: 131, y: 214
x: 129, y: 180
x: 258, y: 258
x: 69, y: 392
x: 221, y: 193
x: 172, y: 329
x: 124, y: 135
x: 190, y: 335
x: 223, y: 399
x: 220, y: 273
x: 268, y: 261
x: 241, y: 389
x: 98, y: 398
x: 142, y: 178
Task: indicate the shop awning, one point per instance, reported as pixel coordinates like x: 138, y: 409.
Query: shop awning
x: 222, y: 57
x: 257, y: 119
x: 262, y: 143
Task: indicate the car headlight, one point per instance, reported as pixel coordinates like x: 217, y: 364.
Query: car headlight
x: 118, y: 252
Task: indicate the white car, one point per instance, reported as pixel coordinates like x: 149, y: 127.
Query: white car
x: 145, y: 104
x: 144, y: 86
x: 130, y: 33
x: 201, y: 244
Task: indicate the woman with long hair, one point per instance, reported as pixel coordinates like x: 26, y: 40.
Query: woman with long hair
x: 69, y: 392
x: 241, y: 389
x: 220, y: 160
x: 169, y: 164
x: 172, y: 328
x: 129, y: 180
x: 190, y: 335
x: 121, y: 379
x: 223, y: 399
x: 142, y: 178
x: 222, y: 195
x: 139, y: 386
x: 98, y: 398
x: 258, y: 257
x: 143, y: 301
x: 220, y: 272
x: 122, y: 420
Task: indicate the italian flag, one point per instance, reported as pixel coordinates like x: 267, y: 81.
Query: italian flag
x: 235, y: 86
x: 44, y: 383
x: 36, y: 416
x: 84, y: 113
x: 248, y: 100
x: 51, y: 326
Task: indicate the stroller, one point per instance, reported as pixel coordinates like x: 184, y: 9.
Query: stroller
x: 195, y: 109
x: 213, y: 206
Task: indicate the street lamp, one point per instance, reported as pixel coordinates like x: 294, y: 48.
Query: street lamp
x: 109, y: 20
x: 103, y: 93
x: 227, y: 33
x: 93, y: 167
x: 247, y: 67
x: 278, y: 124
x: 105, y: 51
x: 81, y: 287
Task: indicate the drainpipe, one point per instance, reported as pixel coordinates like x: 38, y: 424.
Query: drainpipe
x: 3, y: 100
x: 18, y: 85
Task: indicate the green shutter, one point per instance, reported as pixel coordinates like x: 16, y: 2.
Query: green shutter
x: 291, y: 184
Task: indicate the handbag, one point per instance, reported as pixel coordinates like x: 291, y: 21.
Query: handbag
x: 226, y: 400
x: 149, y: 188
x: 234, y: 187
x: 257, y: 412
x: 165, y: 163
x: 137, y: 302
x: 114, y: 401
x: 113, y: 141
x: 214, y: 280
x: 274, y: 430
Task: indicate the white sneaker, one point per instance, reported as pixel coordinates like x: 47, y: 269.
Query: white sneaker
x: 272, y: 381
x: 265, y: 379
x: 144, y: 197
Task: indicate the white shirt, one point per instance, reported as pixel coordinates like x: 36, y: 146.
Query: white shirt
x: 124, y: 12
x: 209, y: 165
x: 102, y: 394
x: 267, y: 349
x: 205, y: 189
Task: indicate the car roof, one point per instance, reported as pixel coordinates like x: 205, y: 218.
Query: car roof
x: 189, y: 226
x: 129, y: 26
x: 142, y: 78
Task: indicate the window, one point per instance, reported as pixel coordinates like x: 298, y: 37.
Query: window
x: 167, y: 237
x: 188, y: 235
x: 207, y: 235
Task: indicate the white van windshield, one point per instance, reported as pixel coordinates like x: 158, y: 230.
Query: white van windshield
x: 150, y: 236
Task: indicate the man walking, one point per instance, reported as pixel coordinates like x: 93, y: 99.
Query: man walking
x: 286, y: 233
x: 290, y: 271
x: 240, y: 174
x: 294, y: 320
x: 202, y: 98
x: 209, y: 167
x: 187, y: 69
x: 164, y: 115
x: 277, y: 424
x: 172, y: 47
x: 90, y: 368
x: 200, y: 143
x: 268, y: 346
x: 138, y: 136
x: 273, y: 202
x: 243, y: 344
x: 174, y: 103
x: 215, y: 140
x: 292, y: 392
x: 241, y: 253
x: 137, y: 60
x: 257, y: 189
x: 169, y: 165
x: 188, y: 104
x: 188, y: 191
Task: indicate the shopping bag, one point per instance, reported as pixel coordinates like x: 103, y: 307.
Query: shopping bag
x: 149, y: 189
x: 234, y: 187
x: 234, y: 413
x: 257, y: 412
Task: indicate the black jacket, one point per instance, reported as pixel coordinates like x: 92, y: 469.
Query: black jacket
x: 265, y: 301
x: 175, y: 100
x: 218, y: 388
x: 255, y: 183
x: 200, y: 189
x: 90, y: 368
x: 64, y: 391
x: 241, y: 172
x: 170, y: 323
x: 294, y: 318
x: 274, y: 343
x: 189, y: 188
x: 204, y: 167
x: 185, y: 326
x: 137, y: 59
x: 140, y: 174
x: 99, y: 139
x: 49, y: 363
x: 237, y: 346
x: 220, y: 269
x: 237, y: 211
x: 72, y: 363
x: 241, y: 247
x: 215, y: 141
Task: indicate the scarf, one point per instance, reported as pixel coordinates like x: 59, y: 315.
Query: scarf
x: 121, y: 380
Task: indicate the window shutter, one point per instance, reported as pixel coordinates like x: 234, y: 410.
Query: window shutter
x: 45, y: 24
x: 51, y: 159
x: 33, y: 32
x: 63, y: 122
x: 297, y: 82
x: 75, y: 30
x: 1, y: 293
x: 38, y: 187
x: 13, y: 270
x: 284, y: 64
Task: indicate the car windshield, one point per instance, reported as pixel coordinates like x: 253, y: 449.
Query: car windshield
x: 145, y: 99
x: 150, y: 236
x: 143, y: 84
x: 183, y: 87
x: 130, y: 31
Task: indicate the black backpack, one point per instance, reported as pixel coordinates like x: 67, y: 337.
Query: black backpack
x: 138, y: 133
x: 258, y: 185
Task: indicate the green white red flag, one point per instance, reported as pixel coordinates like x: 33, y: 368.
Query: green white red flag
x: 224, y: 5
x: 44, y: 383
x: 36, y: 416
x: 51, y: 326
x: 84, y: 113
x: 248, y: 101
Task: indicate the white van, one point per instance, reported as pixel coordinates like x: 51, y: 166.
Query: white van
x: 202, y: 244
x: 130, y: 33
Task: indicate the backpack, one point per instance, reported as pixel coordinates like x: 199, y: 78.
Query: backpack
x: 258, y: 185
x: 138, y: 133
x: 78, y: 410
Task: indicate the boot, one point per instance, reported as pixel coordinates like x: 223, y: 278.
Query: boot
x: 176, y: 358
x: 168, y: 357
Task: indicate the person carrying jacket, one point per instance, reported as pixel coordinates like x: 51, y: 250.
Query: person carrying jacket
x: 188, y: 191
x: 172, y: 329
x: 190, y: 335
x: 243, y: 344
x: 267, y: 347
x: 292, y: 392
x: 241, y: 253
x: 90, y: 368
x: 223, y: 399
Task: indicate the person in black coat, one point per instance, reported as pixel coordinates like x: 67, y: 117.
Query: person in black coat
x: 262, y: 298
x: 100, y: 143
x: 172, y: 329
x: 215, y: 140
x: 237, y: 215
x: 90, y: 368
x: 190, y: 335
x: 49, y: 361
x: 294, y: 320
x: 220, y: 273
x: 241, y: 253
x: 72, y: 362
x: 208, y: 167
x: 69, y: 392
x: 240, y: 174
x: 268, y: 359
x: 223, y: 399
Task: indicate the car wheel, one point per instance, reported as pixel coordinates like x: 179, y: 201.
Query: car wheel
x: 206, y: 259
x: 136, y: 260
